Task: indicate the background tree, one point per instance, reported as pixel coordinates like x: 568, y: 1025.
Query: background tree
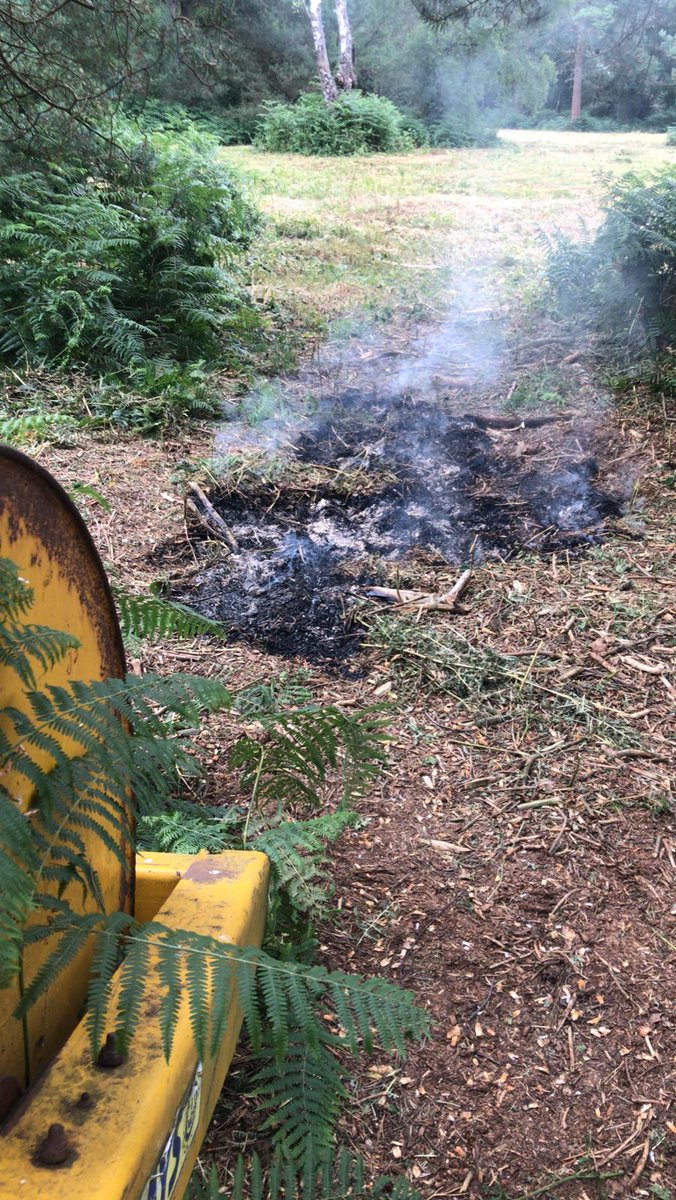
x: 327, y: 83
x: 346, y: 76
x: 615, y: 60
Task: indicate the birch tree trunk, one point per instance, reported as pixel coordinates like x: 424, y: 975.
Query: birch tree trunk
x: 576, y: 102
x: 313, y: 9
x: 346, y: 76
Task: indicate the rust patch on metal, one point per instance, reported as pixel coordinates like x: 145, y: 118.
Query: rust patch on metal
x: 36, y: 504
x: 204, y: 870
x: 32, y: 498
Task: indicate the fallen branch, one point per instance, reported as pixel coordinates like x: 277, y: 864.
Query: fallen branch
x: 201, y: 507
x: 424, y: 601
x: 516, y: 422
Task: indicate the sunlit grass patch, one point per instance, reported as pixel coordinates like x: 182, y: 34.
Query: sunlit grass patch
x: 341, y: 230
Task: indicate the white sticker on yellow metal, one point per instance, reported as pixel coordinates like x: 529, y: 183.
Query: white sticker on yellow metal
x: 161, y: 1184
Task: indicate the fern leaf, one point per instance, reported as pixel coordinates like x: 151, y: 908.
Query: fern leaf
x: 170, y: 964
x: 69, y: 942
x: 21, y: 644
x: 291, y: 765
x: 301, y: 1095
x: 105, y: 960
x: 133, y: 981
x: 152, y: 618
x: 322, y: 1175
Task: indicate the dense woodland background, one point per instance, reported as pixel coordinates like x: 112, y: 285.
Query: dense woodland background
x: 490, y: 63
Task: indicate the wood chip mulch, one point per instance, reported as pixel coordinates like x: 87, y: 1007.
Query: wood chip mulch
x: 514, y: 867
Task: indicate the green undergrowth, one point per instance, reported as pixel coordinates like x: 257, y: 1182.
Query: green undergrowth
x: 621, y: 282
x: 236, y: 126
x: 354, y: 123
x: 137, y: 266
x: 124, y: 288
x: 543, y: 388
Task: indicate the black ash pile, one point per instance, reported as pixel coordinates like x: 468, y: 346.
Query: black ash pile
x: 371, y: 486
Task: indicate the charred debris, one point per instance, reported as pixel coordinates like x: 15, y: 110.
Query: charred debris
x: 367, y: 495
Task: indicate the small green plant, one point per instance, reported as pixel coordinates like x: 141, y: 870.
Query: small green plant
x: 442, y: 661
x: 623, y: 281
x: 353, y: 124
x: 152, y: 618
x: 458, y: 133
x: 332, y: 1176
x: 35, y: 425
x: 543, y: 388
x: 230, y: 126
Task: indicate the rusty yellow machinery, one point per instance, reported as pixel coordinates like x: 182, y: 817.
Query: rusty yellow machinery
x: 116, y: 1129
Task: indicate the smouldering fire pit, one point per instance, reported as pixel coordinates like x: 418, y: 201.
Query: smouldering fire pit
x: 366, y: 490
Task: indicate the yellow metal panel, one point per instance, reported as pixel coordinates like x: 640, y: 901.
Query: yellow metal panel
x: 44, y: 535
x: 156, y: 878
x: 115, y: 1142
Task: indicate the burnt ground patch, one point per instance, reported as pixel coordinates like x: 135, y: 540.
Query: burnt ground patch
x: 366, y: 490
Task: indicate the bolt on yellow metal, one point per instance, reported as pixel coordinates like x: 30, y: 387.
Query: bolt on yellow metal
x: 137, y: 1132
x: 128, y: 1130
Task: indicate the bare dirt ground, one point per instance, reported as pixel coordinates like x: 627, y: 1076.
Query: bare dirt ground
x: 515, y: 863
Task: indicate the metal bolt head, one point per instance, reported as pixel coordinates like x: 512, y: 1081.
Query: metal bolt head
x: 54, y: 1147
x: 109, y: 1055
x: 85, y: 1101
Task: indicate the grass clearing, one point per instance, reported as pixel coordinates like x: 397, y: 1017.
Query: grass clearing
x: 401, y: 223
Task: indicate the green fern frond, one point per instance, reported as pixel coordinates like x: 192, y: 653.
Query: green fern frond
x: 331, y: 1175
x: 88, y: 715
x: 291, y: 764
x: 186, y: 829
x: 106, y: 959
x: 281, y: 995
x: 19, y: 864
x: 301, y: 1096
x: 151, y: 618
x: 296, y: 850
x: 287, y: 690
x: 100, y: 738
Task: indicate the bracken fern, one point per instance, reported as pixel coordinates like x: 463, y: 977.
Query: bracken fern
x: 73, y: 751
x: 119, y: 731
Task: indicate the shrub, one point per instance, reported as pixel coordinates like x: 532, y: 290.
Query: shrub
x: 116, y: 272
x: 415, y: 130
x: 588, y: 123
x: 456, y: 134
x: 671, y: 136
x: 352, y: 124
x: 624, y: 280
x: 230, y: 126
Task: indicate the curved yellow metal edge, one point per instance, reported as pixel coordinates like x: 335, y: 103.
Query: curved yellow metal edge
x: 45, y: 537
x: 118, y: 1136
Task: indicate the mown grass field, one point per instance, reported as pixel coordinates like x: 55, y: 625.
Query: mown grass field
x: 392, y: 231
